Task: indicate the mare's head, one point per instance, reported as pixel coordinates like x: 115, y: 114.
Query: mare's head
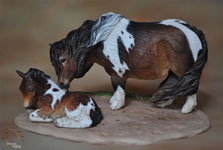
x: 34, y: 84
x: 69, y: 55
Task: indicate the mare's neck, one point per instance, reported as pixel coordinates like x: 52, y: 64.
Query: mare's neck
x: 96, y: 55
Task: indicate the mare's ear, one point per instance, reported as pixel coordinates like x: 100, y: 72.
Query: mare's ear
x: 20, y: 73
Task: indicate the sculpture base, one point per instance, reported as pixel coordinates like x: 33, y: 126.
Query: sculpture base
x: 136, y: 124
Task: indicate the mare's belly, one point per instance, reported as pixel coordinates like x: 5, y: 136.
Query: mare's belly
x: 149, y: 74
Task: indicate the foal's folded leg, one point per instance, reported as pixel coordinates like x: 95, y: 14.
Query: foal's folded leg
x: 40, y: 115
x: 75, y: 122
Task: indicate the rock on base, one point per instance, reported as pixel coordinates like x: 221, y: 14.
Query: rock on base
x: 136, y: 124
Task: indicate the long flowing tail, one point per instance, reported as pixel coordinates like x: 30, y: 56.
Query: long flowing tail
x: 187, y: 84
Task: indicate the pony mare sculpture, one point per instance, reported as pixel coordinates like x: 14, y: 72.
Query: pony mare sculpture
x: 53, y: 104
x: 143, y: 50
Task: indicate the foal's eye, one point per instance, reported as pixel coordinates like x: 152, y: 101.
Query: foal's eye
x: 31, y: 90
x: 63, y: 60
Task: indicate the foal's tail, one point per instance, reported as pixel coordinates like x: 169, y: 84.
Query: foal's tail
x: 97, y: 116
x: 187, y: 84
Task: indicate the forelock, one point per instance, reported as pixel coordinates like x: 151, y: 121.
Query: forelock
x: 55, y: 51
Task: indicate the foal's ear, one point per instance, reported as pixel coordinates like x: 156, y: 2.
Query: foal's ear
x: 20, y: 73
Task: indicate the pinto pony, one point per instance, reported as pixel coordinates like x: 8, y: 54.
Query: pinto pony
x: 53, y: 104
x: 143, y: 50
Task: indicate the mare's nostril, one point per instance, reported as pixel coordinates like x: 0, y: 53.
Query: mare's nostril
x: 63, y: 86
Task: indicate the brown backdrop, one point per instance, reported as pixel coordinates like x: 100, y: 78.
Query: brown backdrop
x: 27, y: 28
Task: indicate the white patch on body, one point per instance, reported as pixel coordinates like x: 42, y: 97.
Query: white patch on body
x: 34, y: 117
x: 190, y: 104
x: 111, y: 50
x: 108, y: 29
x: 78, y: 118
x: 103, y: 27
x: 118, y: 99
x: 193, y: 39
x: 56, y: 95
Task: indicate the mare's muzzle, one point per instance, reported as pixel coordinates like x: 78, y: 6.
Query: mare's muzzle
x: 64, y: 86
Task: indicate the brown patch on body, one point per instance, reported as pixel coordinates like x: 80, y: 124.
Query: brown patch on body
x: 75, y: 99
x: 71, y: 100
x: 59, y: 108
x: 44, y: 104
x: 157, y: 50
x: 163, y: 48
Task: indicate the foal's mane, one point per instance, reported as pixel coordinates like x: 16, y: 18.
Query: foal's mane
x: 35, y: 73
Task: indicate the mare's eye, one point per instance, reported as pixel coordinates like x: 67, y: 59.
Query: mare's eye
x: 63, y: 60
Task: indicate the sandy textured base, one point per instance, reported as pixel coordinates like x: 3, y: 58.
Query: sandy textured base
x: 137, y: 124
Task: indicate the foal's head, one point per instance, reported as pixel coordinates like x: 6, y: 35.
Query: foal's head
x: 33, y: 85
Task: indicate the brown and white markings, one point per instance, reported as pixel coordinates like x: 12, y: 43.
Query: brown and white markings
x: 53, y: 104
x: 144, y: 50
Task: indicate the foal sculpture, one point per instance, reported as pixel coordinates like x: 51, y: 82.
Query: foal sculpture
x: 50, y: 103
x: 142, y: 50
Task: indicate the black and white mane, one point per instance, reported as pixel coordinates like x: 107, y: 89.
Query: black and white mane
x: 103, y: 27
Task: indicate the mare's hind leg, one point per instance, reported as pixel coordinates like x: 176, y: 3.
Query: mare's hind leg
x: 190, y: 104
x: 158, y: 98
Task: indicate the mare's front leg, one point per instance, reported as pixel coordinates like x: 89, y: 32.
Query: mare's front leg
x: 118, y: 99
x: 41, y: 115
